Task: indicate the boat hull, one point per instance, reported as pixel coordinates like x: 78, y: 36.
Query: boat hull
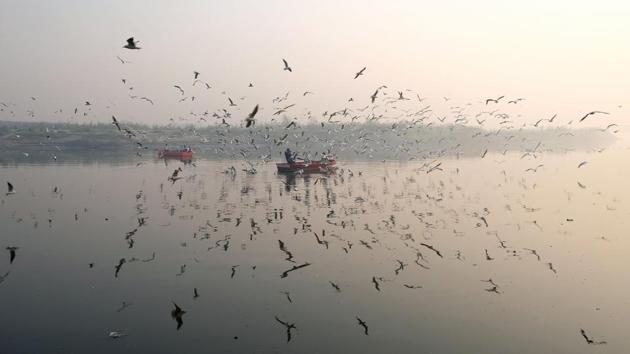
x: 308, y: 167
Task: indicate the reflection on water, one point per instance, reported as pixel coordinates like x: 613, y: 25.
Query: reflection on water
x: 481, y: 256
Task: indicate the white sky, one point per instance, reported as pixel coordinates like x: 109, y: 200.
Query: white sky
x: 566, y: 57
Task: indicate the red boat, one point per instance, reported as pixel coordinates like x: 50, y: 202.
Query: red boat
x: 311, y: 166
x: 183, y: 154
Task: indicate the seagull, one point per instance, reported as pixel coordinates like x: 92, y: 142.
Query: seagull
x: 131, y: 44
x: 589, y: 340
x: 591, y: 113
x: 249, y: 121
x: 115, y: 122
x: 582, y: 163
x: 360, y: 72
x: 179, y: 88
x: 11, y: 253
x: 494, y: 100
x: 196, y: 73
x: 177, y: 314
x: 10, y: 189
x: 232, y: 104
x: 373, y: 97
x: 376, y: 284
x: 363, y: 324
x: 337, y: 288
x: 195, y: 293
x: 117, y: 268
x: 288, y: 326
x: 286, y: 66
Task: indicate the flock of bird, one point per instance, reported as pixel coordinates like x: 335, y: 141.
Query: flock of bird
x: 342, y: 205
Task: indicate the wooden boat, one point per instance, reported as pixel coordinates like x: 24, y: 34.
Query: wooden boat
x: 307, y: 167
x: 184, y: 154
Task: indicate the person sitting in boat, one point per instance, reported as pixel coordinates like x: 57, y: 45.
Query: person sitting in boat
x: 289, y: 156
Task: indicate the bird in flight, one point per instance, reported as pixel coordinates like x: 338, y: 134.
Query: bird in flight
x: 179, y: 88
x: 494, y: 100
x: 360, y: 72
x: 115, y: 122
x: 10, y: 189
x: 121, y: 60
x: 289, y: 327
x: 286, y: 66
x: 249, y: 121
x: 364, y: 325
x: 131, y: 44
x: 196, y: 73
x: 177, y: 314
x: 11, y: 253
x: 591, y: 113
x: 589, y: 340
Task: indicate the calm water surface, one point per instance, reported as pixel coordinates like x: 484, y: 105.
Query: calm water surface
x: 556, y: 250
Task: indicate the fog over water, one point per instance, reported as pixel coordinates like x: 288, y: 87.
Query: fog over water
x: 460, y: 185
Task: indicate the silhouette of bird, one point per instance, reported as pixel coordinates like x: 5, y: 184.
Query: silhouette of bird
x: 360, y: 72
x: 117, y: 267
x: 288, y: 326
x: 10, y: 189
x: 249, y: 121
x: 179, y: 88
x: 196, y: 73
x: 115, y: 122
x: 335, y: 286
x: 494, y: 100
x: 376, y: 284
x: 177, y: 314
x: 589, y: 340
x: 286, y: 66
x: 591, y: 113
x: 131, y: 44
x: 363, y: 324
x: 12, y: 250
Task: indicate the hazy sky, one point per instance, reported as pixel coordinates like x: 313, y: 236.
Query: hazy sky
x: 565, y: 57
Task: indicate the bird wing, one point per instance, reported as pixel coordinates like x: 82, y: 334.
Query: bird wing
x: 251, y: 115
x: 286, y: 65
x: 281, y: 321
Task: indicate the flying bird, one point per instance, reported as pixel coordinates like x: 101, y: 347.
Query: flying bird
x: 589, y: 340
x: 196, y: 73
x: 288, y: 326
x: 360, y: 72
x: 494, y: 100
x: 364, y: 325
x: 591, y: 113
x: 179, y: 88
x: 286, y: 66
x: 115, y: 122
x: 10, y: 189
x: 131, y: 44
x: 11, y: 253
x: 177, y: 314
x: 249, y: 121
